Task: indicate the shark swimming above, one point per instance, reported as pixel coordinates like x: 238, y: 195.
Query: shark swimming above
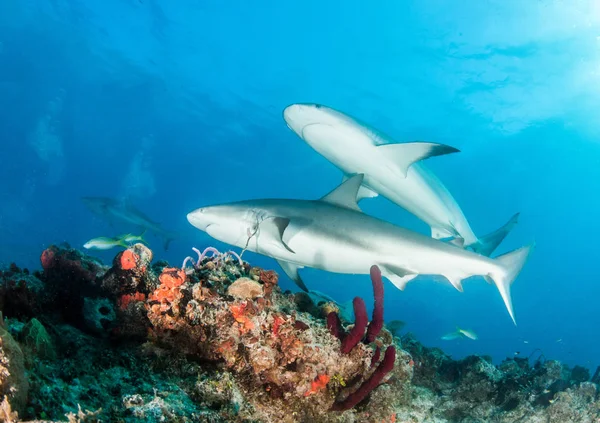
x: 391, y: 169
x: 120, y: 211
x: 333, y: 234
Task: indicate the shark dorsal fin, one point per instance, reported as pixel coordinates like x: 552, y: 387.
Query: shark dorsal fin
x: 363, y: 191
x: 346, y: 193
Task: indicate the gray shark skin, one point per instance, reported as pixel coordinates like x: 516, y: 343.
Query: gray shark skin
x: 113, y: 210
x: 332, y: 234
x: 394, y: 170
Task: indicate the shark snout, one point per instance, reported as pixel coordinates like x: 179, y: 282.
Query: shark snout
x: 199, y: 219
x: 298, y: 116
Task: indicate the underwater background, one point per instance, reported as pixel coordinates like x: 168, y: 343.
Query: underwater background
x: 176, y: 105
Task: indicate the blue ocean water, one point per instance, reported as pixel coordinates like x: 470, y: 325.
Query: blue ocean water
x: 176, y: 105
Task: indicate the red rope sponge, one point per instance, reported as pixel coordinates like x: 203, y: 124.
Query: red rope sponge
x: 371, y: 383
x: 377, y: 322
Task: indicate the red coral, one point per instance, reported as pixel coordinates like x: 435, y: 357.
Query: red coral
x: 269, y: 278
x: 277, y: 321
x: 169, y: 290
x: 126, y: 299
x: 129, y: 260
x: 318, y: 384
x: 239, y: 312
x: 172, y: 277
x: 48, y: 258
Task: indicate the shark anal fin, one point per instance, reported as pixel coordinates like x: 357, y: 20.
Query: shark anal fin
x: 291, y: 270
x: 405, y: 154
x: 345, y: 195
x: 398, y: 276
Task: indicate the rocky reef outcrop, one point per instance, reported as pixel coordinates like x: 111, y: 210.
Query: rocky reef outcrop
x: 218, y: 341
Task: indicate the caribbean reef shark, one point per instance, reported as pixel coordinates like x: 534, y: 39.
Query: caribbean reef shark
x: 391, y: 169
x: 333, y: 234
x: 114, y: 210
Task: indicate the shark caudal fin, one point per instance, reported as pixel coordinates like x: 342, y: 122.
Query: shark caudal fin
x: 511, y: 265
x: 488, y: 243
x: 167, y: 238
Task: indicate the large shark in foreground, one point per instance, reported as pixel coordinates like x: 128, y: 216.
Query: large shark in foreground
x: 114, y: 210
x: 332, y: 234
x: 391, y: 169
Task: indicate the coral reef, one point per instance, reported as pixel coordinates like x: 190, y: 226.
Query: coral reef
x: 218, y: 341
x: 14, y: 385
x: 285, y: 362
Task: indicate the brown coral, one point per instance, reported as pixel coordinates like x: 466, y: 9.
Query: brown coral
x: 245, y: 288
x: 13, y: 382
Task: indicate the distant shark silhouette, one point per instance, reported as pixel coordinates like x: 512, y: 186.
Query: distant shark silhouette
x: 394, y: 170
x: 115, y: 210
x: 333, y: 234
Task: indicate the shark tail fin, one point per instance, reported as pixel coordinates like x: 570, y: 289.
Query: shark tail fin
x: 511, y: 265
x: 488, y: 243
x: 168, y: 240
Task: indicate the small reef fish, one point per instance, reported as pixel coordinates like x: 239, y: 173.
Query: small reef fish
x: 333, y: 234
x: 104, y: 243
x: 395, y: 326
x: 460, y: 333
x: 394, y: 170
x: 115, y: 210
x: 132, y: 239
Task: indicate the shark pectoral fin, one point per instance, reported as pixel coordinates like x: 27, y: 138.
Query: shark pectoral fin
x: 273, y: 229
x: 345, y: 195
x: 363, y: 191
x: 296, y: 225
x: 398, y: 276
x: 405, y: 154
x: 291, y: 270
